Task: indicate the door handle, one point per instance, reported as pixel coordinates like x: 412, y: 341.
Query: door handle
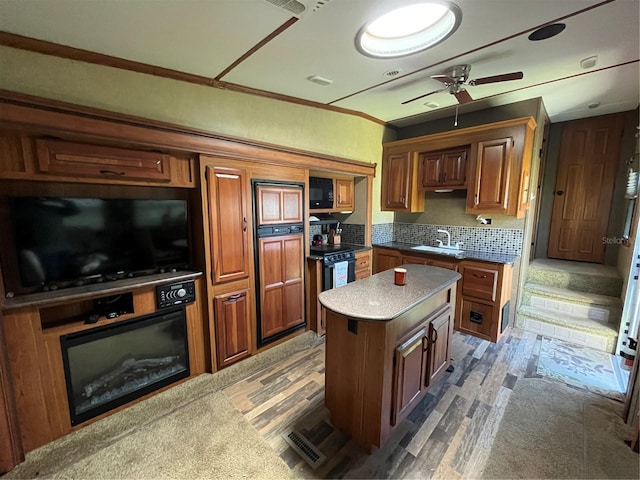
x: 560, y: 193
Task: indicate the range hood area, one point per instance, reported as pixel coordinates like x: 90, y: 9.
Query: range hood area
x: 322, y: 219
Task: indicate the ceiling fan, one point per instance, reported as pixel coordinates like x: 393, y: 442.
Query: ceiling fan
x: 455, y: 79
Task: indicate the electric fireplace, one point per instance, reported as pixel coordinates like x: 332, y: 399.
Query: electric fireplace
x: 109, y: 366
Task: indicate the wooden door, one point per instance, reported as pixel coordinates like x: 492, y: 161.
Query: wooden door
x: 431, y: 169
x: 396, y: 179
x: 440, y: 331
x: 232, y: 327
x: 278, y: 204
x: 454, y: 168
x: 491, y: 180
x: 227, y: 197
x: 587, y: 165
x: 281, y: 265
x: 410, y: 374
x: 343, y: 198
x: 386, y: 259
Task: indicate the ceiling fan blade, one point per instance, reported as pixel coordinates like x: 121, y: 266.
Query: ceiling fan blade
x: 463, y: 96
x: 446, y: 79
x: 422, y: 96
x: 497, y: 78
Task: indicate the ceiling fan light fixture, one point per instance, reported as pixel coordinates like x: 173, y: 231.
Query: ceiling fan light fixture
x: 409, y: 29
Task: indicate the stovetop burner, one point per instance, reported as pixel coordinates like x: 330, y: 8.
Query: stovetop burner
x: 325, y: 249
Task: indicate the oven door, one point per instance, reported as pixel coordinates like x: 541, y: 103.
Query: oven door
x: 328, y: 276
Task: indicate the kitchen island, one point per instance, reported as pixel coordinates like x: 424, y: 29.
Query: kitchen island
x: 385, y: 345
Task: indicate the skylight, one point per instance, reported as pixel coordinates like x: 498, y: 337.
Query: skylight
x: 408, y: 29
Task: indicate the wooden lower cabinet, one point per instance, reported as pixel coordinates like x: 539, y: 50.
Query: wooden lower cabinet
x: 483, y: 304
x: 231, y: 318
x: 377, y: 372
x: 386, y: 258
x: 363, y: 264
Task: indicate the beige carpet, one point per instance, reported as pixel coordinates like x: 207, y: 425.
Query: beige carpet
x: 550, y: 430
x: 189, y: 431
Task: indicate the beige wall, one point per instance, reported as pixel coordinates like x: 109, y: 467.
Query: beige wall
x: 196, y: 106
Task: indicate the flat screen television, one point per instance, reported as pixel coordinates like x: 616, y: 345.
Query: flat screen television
x: 62, y: 242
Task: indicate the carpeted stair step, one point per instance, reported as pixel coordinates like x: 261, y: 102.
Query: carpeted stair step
x: 572, y: 328
x: 576, y: 276
x: 601, y: 308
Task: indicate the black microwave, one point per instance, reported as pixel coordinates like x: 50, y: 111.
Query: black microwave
x: 320, y: 193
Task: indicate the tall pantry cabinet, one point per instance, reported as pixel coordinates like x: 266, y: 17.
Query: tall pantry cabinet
x: 226, y: 205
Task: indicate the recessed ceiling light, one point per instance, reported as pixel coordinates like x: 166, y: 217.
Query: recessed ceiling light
x: 408, y: 29
x: 547, y: 31
x: 594, y: 105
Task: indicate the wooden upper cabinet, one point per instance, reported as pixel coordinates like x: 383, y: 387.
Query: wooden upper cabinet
x: 228, y: 225
x: 81, y: 160
x: 444, y: 169
x: 490, y: 192
x: 400, y: 190
x: 343, y: 194
x: 278, y: 204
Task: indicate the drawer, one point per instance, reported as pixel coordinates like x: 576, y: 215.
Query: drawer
x: 76, y: 159
x: 363, y: 260
x: 363, y: 273
x: 477, y: 319
x: 480, y: 283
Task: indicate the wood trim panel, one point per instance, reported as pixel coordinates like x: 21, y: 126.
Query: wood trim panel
x: 11, y: 451
x: 25, y: 113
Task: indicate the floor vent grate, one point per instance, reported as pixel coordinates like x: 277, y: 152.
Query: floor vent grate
x: 304, y: 448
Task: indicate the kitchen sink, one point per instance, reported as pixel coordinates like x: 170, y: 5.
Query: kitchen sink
x: 454, y: 252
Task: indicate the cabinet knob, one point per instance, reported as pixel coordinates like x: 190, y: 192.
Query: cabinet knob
x: 560, y: 193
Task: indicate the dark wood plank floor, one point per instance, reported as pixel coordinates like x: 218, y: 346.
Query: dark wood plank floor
x: 448, y: 435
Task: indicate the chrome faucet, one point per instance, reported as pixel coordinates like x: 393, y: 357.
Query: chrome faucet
x: 440, y: 244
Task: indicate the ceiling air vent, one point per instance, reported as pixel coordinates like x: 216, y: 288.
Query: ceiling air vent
x: 292, y: 6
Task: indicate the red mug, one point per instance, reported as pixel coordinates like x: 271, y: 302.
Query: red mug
x: 399, y: 276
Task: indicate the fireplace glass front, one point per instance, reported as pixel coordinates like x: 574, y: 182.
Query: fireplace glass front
x: 109, y: 366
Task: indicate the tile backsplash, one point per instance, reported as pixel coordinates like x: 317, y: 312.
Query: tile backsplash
x: 492, y: 240
x: 485, y: 239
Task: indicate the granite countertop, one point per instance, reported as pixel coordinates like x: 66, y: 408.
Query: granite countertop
x: 504, y: 258
x: 377, y: 298
x: 353, y: 246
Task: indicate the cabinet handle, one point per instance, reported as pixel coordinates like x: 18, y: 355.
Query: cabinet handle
x: 560, y: 193
x: 425, y: 343
x: 435, y: 332
x: 234, y: 298
x: 479, y: 276
x: 244, y: 224
x: 111, y: 172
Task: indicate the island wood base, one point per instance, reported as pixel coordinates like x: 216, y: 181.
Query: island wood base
x: 378, y: 371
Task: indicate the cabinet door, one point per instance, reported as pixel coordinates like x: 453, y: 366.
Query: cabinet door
x: 344, y: 192
x: 490, y: 191
x: 278, y: 204
x: 232, y: 327
x: 478, y: 319
x: 385, y: 259
x: 227, y: 197
x: 281, y: 283
x: 454, y: 169
x: 400, y: 184
x: 410, y: 375
x: 440, y: 331
x: 431, y: 169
